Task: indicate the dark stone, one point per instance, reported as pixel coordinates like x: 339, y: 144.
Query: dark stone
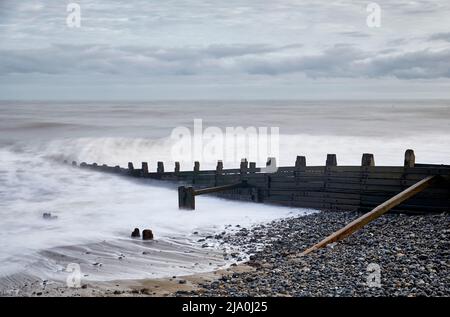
x: 48, y: 216
x: 145, y: 291
x: 147, y: 234
x: 136, y: 233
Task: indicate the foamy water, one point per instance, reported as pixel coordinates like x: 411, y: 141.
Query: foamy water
x: 94, y: 207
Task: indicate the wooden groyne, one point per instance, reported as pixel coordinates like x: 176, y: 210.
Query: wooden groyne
x: 329, y: 187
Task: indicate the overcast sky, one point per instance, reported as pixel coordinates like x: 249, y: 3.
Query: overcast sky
x: 246, y: 49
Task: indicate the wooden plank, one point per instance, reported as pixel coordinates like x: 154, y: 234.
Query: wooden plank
x: 375, y: 213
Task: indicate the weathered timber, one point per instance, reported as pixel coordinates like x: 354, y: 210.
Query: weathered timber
x: 410, y: 158
x: 367, y: 160
x: 144, y: 168
x: 196, y: 166
x: 328, y: 187
x: 160, y: 168
x: 186, y: 198
x: 375, y: 213
x: 219, y: 167
x: 331, y: 160
x: 186, y: 195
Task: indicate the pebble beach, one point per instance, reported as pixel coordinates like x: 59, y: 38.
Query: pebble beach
x: 412, y: 253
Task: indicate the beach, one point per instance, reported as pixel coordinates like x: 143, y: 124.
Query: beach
x: 411, y: 252
x: 93, y: 214
x: 207, y: 151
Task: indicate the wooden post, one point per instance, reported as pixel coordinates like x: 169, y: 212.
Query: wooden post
x: 410, y: 158
x: 219, y: 167
x: 160, y: 167
x: 244, y: 166
x: 144, y: 168
x: 252, y: 168
x: 177, y: 167
x: 196, y: 166
x: 186, y: 198
x: 256, y: 195
x: 130, y: 166
x: 375, y: 213
x: 367, y: 160
x: 300, y: 163
x: 331, y: 160
x: 300, y: 166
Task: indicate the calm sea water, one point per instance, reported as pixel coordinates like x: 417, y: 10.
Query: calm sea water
x: 91, y: 207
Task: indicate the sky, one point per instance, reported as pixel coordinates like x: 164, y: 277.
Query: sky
x: 247, y: 49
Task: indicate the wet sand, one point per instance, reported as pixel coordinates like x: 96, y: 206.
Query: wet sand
x: 161, y: 287
x: 411, y: 253
x: 119, y: 267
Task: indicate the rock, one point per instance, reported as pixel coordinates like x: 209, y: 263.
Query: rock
x: 136, y: 233
x: 147, y: 234
x: 48, y: 216
x: 145, y: 291
x: 182, y: 282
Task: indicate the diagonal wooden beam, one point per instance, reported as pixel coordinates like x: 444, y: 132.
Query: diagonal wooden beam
x: 375, y: 213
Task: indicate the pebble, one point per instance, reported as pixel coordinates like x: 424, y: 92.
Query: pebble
x: 411, y: 256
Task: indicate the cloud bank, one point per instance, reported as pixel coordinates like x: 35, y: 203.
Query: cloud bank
x: 235, y: 43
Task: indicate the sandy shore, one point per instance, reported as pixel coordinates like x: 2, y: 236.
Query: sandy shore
x: 161, y: 287
x: 128, y: 266
x: 410, y: 253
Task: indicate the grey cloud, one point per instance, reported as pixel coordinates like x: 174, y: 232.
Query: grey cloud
x: 440, y: 37
x: 348, y: 62
x: 338, y: 61
x: 424, y: 64
x: 127, y: 59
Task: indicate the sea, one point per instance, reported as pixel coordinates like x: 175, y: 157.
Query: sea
x: 95, y: 213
